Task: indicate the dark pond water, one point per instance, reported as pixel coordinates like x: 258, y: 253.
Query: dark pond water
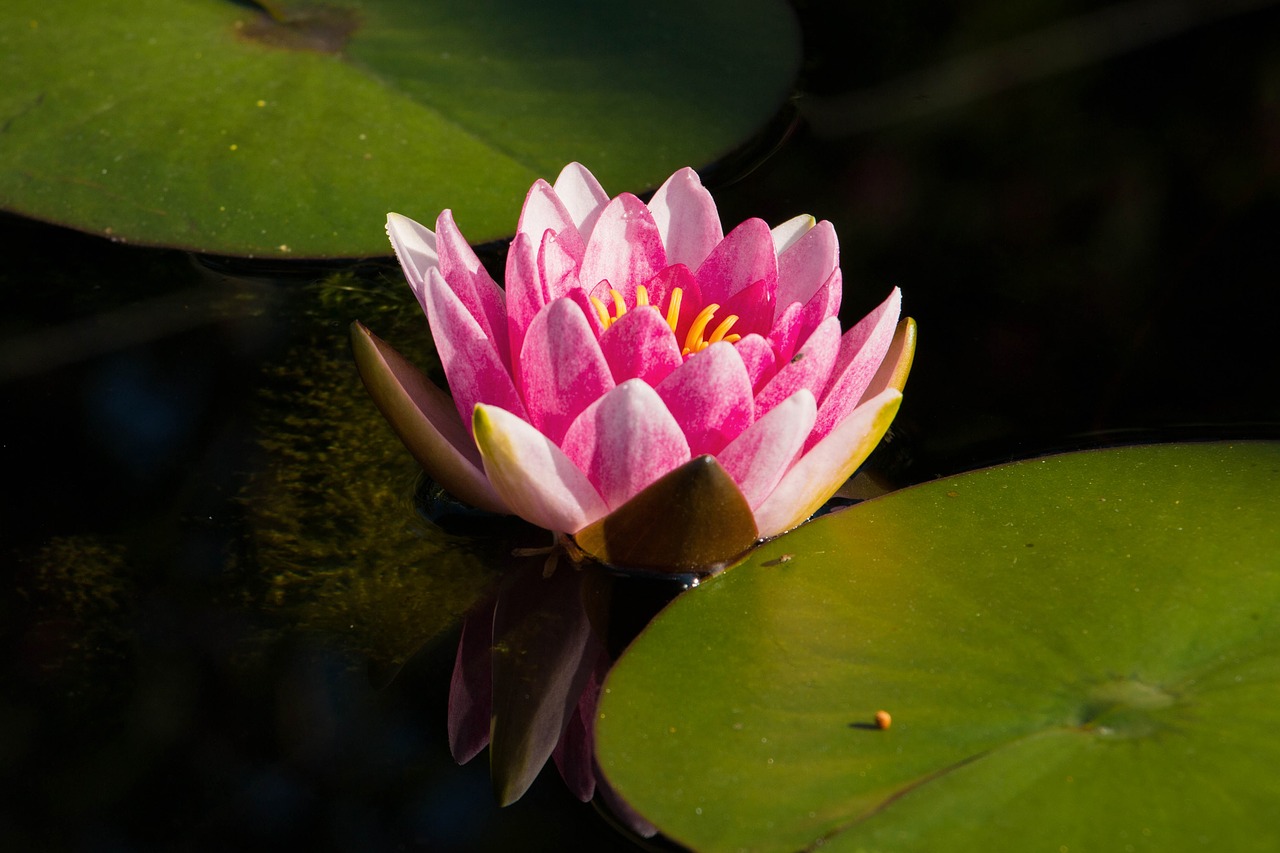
x: 224, y: 623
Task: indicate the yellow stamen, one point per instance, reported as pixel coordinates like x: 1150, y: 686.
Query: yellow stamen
x: 601, y: 311
x: 642, y: 295
x: 619, y: 307
x: 693, y: 342
x: 723, y: 329
x: 673, y: 307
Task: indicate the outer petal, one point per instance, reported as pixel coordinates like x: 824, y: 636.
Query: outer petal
x: 710, y: 397
x: 641, y: 346
x: 625, y: 248
x: 862, y: 349
x: 821, y: 471
x: 582, y: 195
x: 790, y: 231
x: 784, y: 337
x: 691, y: 518
x: 809, y: 368
x: 557, y: 266
x: 562, y: 369
x: 757, y: 355
x: 534, y: 477
x: 526, y: 294
x: 425, y: 419
x: 807, y: 263
x: 415, y: 248
x: 686, y: 218
x: 544, y: 211
x: 896, y: 366
x: 797, y: 322
x: 759, y: 457
x: 625, y: 441
x: 472, y: 283
x: 824, y: 303
x: 476, y: 372
x: 744, y: 257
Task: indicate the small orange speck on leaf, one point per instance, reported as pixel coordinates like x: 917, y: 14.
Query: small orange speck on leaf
x: 883, y: 720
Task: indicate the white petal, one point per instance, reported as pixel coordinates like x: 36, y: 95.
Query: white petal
x: 533, y: 476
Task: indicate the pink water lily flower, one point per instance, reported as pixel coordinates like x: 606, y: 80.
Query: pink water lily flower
x: 660, y: 392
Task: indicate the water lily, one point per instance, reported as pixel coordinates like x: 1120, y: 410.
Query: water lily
x: 658, y: 393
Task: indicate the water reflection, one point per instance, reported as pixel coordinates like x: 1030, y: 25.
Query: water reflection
x: 529, y: 667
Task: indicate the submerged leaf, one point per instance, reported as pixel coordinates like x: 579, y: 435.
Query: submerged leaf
x: 692, y: 518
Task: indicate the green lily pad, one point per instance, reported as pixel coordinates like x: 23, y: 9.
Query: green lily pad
x: 213, y: 125
x: 1077, y: 653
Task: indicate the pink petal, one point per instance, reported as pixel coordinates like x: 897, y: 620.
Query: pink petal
x: 809, y: 368
x: 764, y: 451
x: 625, y: 441
x: 757, y: 355
x: 469, y: 279
x: 785, y: 336
x: 476, y: 372
x: 861, y: 350
x: 526, y: 294
x: 578, y: 296
x: 753, y: 306
x: 415, y: 248
x: 625, y: 248
x: 823, y: 304
x: 744, y: 257
x: 536, y: 479
x: 660, y: 288
x: 790, y: 231
x: 807, y: 263
x: 562, y: 369
x: 710, y: 397
x: 557, y: 266
x: 686, y: 218
x: 582, y: 195
x: 822, y: 470
x: 640, y: 346
x: 545, y: 211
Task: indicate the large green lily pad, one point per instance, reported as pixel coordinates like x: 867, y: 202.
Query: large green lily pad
x: 1078, y: 653
x: 213, y: 125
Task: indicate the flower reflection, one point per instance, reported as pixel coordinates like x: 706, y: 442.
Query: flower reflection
x: 526, y: 680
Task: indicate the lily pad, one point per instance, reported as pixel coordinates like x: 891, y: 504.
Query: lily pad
x: 1076, y: 653
x: 219, y: 126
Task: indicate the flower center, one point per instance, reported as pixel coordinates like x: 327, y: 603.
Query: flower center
x: 693, y: 339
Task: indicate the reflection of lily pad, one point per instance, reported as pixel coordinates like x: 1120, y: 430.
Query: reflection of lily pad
x: 209, y: 124
x: 1078, y: 653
